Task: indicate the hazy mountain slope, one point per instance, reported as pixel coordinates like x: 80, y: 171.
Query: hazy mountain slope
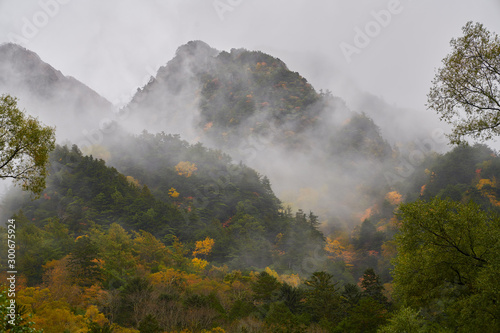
x: 58, y: 100
x: 183, y: 190
x: 253, y: 107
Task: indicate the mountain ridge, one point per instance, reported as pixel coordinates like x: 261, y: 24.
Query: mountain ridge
x: 58, y: 100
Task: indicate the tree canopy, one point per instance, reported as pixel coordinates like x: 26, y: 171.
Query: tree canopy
x: 466, y: 90
x: 447, y: 263
x: 24, y: 146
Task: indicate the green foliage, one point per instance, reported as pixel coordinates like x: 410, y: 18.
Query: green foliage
x: 149, y: 325
x: 322, y: 297
x: 84, y: 269
x: 457, y: 167
x: 96, y: 328
x: 360, y: 136
x: 447, y: 263
x: 265, y: 288
x: 366, y: 316
x: 280, y: 319
x: 466, y: 90
x: 372, y: 287
x: 405, y: 320
x: 38, y: 245
x: 369, y: 238
x: 292, y: 298
x: 252, y: 92
x: 241, y: 309
x: 24, y: 147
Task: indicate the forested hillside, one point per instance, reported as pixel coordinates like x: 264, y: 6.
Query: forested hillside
x: 230, y: 196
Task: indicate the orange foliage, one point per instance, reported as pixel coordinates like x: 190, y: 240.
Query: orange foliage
x: 57, y: 278
x: 394, y: 197
x: 488, y: 190
x: 339, y: 249
x: 422, y: 189
x: 185, y: 168
x: 260, y: 65
x: 368, y: 213
x: 208, y: 126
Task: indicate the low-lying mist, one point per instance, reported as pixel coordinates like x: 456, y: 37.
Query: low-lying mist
x: 318, y: 153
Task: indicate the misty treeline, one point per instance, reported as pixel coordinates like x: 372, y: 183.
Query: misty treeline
x: 105, y: 248
x: 230, y: 196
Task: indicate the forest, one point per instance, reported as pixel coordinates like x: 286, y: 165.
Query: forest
x: 148, y: 232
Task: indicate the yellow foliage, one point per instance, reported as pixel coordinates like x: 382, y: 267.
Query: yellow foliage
x: 185, y: 168
x: 333, y: 246
x: 340, y: 249
x: 173, y: 192
x: 394, y: 197
x: 94, y: 315
x: 33, y: 297
x: 59, y: 320
x: 199, y: 264
x: 165, y: 278
x: 292, y: 279
x: 272, y: 273
x: 214, y: 330
x: 203, y: 247
x: 133, y: 181
x: 172, y: 277
x: 489, y: 191
x: 484, y: 182
x: 51, y: 315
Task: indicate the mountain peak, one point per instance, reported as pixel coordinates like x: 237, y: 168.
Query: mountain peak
x: 196, y: 47
x: 45, y: 92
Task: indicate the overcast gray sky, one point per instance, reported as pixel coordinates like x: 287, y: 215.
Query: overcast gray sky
x: 389, y: 48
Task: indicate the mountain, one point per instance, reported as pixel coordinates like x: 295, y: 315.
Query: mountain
x: 223, y: 97
x: 44, y: 92
x: 252, y: 106
x: 184, y: 191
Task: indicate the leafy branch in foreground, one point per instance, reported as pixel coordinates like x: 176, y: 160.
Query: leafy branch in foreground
x: 466, y: 90
x: 25, y: 144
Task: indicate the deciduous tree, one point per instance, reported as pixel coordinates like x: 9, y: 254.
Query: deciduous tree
x: 466, y: 90
x: 448, y: 263
x: 24, y: 146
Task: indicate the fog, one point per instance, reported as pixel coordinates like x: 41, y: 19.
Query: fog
x: 377, y: 57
